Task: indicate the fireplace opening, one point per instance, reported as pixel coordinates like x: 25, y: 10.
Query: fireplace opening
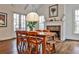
x: 56, y: 29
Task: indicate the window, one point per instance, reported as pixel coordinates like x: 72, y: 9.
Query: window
x: 76, y: 21
x: 41, y: 22
x: 19, y: 21
x: 23, y: 22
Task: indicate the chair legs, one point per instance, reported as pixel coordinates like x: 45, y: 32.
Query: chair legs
x: 21, y: 48
x: 50, y: 48
x: 54, y: 50
x: 36, y: 49
x: 33, y: 48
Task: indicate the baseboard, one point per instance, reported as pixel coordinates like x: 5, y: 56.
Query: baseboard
x: 71, y: 40
x: 7, y: 38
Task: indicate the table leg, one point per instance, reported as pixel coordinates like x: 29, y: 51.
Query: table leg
x: 54, y: 44
x: 43, y: 45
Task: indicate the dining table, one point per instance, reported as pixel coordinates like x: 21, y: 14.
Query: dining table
x: 44, y: 35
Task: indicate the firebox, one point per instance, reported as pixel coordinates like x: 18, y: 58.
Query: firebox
x: 56, y: 29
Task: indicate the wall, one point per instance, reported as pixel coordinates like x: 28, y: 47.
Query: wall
x: 68, y: 24
x: 44, y: 10
x: 7, y: 32
x: 69, y: 21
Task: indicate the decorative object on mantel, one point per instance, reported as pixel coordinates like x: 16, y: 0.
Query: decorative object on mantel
x: 53, y: 10
x: 53, y: 19
x: 32, y: 18
x: 57, y: 18
x: 62, y: 18
x: 3, y: 19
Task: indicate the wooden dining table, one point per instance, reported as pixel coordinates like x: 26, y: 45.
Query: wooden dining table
x: 44, y: 35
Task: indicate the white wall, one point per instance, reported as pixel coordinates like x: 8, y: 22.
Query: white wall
x: 44, y: 10
x: 69, y: 21
x: 7, y: 32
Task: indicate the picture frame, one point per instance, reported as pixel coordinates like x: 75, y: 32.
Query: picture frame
x: 53, y: 10
x: 3, y: 19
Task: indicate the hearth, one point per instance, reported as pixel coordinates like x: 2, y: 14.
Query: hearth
x: 56, y: 29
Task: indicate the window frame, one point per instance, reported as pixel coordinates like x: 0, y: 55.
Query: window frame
x: 41, y: 22
x: 19, y: 20
x: 75, y: 21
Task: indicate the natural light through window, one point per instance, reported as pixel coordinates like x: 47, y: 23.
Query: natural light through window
x: 77, y: 21
x: 41, y: 22
x: 19, y: 21
x: 23, y: 22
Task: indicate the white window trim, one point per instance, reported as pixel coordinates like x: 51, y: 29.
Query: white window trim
x: 74, y: 22
x: 19, y: 19
x: 42, y: 22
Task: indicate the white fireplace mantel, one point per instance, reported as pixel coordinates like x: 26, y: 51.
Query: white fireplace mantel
x: 54, y: 23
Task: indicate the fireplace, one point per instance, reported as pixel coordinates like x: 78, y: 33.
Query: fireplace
x: 56, y: 29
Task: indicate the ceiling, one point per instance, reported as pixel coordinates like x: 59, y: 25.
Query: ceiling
x: 31, y: 7
x: 21, y: 8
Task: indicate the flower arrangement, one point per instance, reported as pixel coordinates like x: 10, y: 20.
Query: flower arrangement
x: 31, y: 25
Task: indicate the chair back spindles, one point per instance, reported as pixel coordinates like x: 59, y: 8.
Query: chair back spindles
x: 21, y: 41
x: 34, y: 41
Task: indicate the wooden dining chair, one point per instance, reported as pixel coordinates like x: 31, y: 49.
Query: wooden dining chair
x: 34, y: 41
x: 22, y: 42
x: 50, y: 42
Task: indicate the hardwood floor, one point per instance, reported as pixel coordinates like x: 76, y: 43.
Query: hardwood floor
x: 8, y: 47
x: 66, y: 47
